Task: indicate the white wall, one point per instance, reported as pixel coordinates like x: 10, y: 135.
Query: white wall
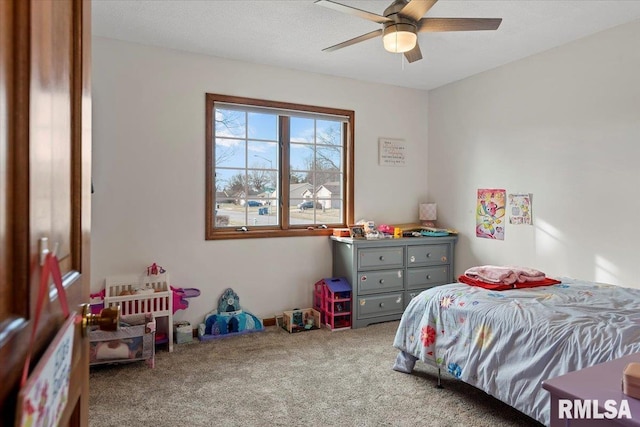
x: 149, y: 167
x: 563, y: 125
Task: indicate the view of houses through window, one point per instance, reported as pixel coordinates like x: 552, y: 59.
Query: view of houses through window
x: 277, y: 168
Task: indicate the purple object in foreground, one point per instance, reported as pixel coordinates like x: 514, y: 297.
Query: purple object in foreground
x: 574, y: 396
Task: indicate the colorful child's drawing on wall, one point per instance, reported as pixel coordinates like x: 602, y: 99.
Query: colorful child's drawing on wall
x: 490, y: 213
x: 520, y: 209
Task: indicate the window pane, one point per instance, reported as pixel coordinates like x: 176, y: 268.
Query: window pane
x: 301, y: 157
x: 245, y: 197
x: 230, y: 186
x: 260, y: 213
x: 331, y: 187
x: 231, y: 180
x: 230, y: 153
x: 230, y: 123
x: 261, y: 182
x: 302, y: 130
x: 306, y: 212
x: 263, y: 155
x: 329, y: 194
x: 297, y: 192
x: 329, y: 132
x: 242, y: 200
x: 316, y: 159
x: 263, y: 172
x: 329, y: 159
x: 263, y: 126
x: 332, y: 214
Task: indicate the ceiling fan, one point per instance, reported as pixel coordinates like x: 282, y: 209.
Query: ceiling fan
x: 401, y: 23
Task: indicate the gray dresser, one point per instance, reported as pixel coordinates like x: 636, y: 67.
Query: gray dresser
x: 385, y: 274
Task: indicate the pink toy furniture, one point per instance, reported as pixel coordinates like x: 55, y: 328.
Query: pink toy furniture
x: 332, y: 298
x: 180, y: 296
x: 143, y: 294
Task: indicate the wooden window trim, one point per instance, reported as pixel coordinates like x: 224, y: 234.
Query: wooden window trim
x: 284, y: 230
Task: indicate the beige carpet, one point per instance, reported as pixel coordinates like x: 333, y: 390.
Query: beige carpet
x: 272, y: 378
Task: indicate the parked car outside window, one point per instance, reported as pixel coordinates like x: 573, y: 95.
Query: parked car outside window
x: 251, y: 203
x: 309, y: 205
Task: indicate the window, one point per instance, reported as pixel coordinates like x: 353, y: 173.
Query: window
x: 276, y: 169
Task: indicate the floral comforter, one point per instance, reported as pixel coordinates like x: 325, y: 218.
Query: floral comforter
x: 506, y: 343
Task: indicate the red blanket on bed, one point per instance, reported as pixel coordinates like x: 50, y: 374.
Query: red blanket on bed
x: 503, y: 287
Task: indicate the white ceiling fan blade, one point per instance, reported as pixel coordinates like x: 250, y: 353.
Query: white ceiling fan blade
x: 414, y: 54
x: 353, y: 11
x: 416, y: 9
x: 358, y: 39
x: 457, y: 24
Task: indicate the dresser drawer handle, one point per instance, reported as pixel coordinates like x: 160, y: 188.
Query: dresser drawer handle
x: 381, y: 281
x: 443, y: 259
x: 428, y: 277
x: 381, y: 258
x: 381, y: 304
x: 428, y: 254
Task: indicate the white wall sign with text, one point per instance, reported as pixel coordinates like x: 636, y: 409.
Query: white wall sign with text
x: 392, y: 152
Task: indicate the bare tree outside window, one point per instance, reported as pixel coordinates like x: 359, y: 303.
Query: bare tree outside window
x: 231, y: 123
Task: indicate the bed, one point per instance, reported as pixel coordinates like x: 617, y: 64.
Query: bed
x: 507, y: 342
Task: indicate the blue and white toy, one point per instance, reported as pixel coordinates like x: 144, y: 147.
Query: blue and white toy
x: 228, y: 320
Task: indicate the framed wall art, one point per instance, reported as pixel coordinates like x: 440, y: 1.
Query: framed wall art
x: 392, y: 152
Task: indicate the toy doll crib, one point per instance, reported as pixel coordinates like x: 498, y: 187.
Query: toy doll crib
x: 143, y: 294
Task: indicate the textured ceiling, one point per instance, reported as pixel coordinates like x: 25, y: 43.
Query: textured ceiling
x: 292, y: 33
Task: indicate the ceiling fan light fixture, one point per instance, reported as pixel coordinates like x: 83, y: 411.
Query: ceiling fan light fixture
x: 399, y: 38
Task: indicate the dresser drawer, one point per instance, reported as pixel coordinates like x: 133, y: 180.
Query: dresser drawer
x: 380, y: 281
x: 427, y: 277
x: 427, y: 255
x: 380, y: 305
x: 380, y: 258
